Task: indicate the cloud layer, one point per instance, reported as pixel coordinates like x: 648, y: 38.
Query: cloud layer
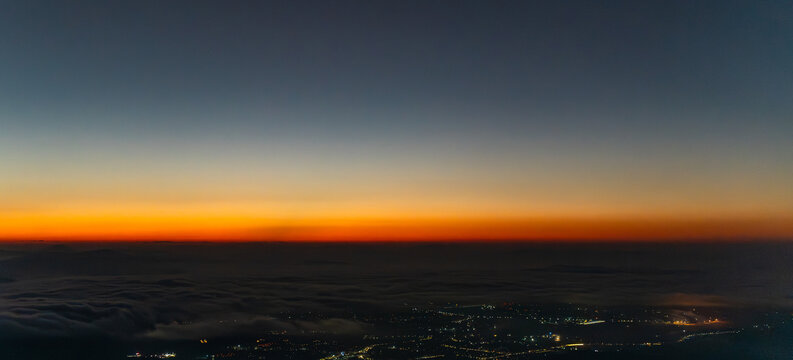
x: 183, y: 291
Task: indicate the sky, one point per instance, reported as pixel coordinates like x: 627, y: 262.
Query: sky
x: 402, y: 120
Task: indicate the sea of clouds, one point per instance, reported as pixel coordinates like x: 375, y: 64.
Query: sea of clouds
x: 183, y: 291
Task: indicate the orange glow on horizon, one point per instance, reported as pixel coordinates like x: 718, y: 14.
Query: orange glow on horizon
x: 202, y: 227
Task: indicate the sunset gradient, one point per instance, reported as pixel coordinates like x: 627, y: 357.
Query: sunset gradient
x: 396, y: 122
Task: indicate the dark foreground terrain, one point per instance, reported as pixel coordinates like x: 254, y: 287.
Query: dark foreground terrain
x: 396, y: 301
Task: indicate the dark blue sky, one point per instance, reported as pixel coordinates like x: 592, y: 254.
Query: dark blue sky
x: 614, y: 67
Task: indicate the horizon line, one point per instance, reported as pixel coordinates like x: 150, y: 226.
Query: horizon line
x: 687, y: 240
